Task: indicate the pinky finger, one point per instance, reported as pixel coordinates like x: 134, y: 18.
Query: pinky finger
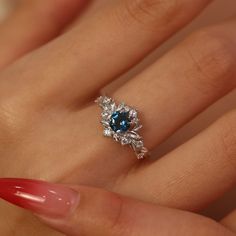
x: 88, y: 211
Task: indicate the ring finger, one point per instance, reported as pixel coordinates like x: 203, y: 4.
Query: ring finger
x: 207, y: 62
x: 207, y: 73
x: 181, y: 84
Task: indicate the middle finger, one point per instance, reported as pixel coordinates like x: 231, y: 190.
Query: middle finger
x: 75, y: 66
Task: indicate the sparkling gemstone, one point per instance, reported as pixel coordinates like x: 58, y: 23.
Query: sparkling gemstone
x: 105, y: 115
x: 107, y: 133
x: 120, y: 121
x: 141, y: 155
x: 133, y: 113
x: 106, y: 100
x: 125, y: 141
x: 139, y: 144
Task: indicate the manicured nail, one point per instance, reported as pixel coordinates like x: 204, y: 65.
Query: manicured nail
x: 42, y: 198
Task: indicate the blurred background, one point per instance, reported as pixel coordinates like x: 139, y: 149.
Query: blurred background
x: 219, y: 10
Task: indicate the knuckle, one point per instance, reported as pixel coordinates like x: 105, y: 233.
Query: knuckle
x: 227, y: 134
x: 147, y: 12
x: 119, y: 224
x: 117, y: 219
x: 213, y: 59
x: 104, y: 213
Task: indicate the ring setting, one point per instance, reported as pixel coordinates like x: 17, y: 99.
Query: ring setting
x: 121, y: 123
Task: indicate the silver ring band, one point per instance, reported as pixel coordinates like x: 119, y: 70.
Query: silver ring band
x: 121, y: 123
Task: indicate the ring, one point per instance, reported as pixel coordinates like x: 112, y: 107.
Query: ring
x: 121, y: 123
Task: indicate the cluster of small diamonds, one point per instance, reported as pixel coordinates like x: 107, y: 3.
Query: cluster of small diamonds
x: 131, y: 136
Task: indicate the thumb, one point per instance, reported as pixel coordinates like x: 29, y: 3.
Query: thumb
x: 85, y: 211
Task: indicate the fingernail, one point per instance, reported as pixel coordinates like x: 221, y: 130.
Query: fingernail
x: 42, y: 198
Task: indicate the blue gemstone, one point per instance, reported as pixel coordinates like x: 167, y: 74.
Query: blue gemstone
x: 120, y: 121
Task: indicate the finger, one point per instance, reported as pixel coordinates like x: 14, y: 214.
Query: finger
x: 89, y: 211
x: 184, y: 82
x: 230, y: 221
x: 105, y: 45
x: 32, y: 24
x: 181, y: 84
x: 194, y: 174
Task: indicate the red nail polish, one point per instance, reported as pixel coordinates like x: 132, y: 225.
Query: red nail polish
x: 42, y: 198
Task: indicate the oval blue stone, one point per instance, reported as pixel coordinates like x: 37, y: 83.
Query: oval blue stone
x: 120, y: 121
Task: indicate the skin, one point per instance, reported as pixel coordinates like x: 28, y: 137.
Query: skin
x: 50, y: 126
x: 102, y: 213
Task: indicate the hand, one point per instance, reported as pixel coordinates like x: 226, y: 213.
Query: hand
x: 50, y: 127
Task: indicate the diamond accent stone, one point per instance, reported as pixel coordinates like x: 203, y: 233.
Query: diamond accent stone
x: 107, y: 133
x: 139, y: 144
x: 125, y: 141
x: 133, y: 113
x: 105, y: 115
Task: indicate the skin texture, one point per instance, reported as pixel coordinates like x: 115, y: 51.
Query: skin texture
x: 50, y: 127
